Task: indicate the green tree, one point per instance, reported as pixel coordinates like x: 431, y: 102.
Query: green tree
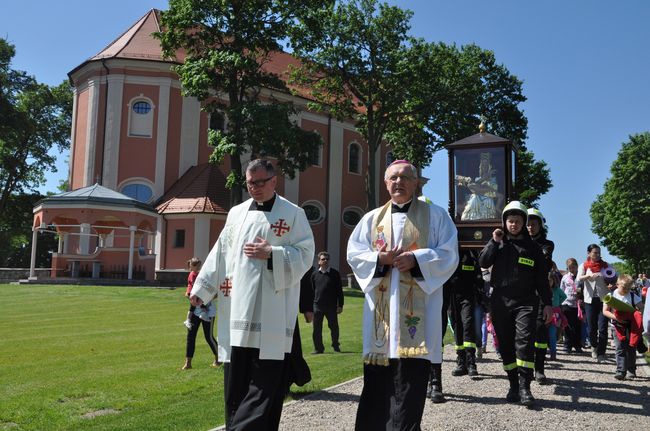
x: 354, y: 59
x: 34, y: 118
x: 360, y: 63
x: 621, y: 214
x: 533, y: 178
x: 228, y: 45
x: 16, y: 235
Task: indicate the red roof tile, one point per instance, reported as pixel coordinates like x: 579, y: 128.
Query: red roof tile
x: 138, y: 43
x: 202, y: 189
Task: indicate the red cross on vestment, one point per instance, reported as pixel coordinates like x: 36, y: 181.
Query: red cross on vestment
x: 280, y: 228
x: 225, y: 287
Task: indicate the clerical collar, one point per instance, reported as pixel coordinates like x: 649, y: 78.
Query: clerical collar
x: 264, y: 206
x: 324, y: 270
x: 400, y: 208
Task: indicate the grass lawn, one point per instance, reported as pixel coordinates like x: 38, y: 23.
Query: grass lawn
x: 108, y: 358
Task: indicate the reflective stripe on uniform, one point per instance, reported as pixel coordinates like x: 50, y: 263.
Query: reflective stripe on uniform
x: 541, y: 345
x: 526, y: 261
x: 459, y: 347
x: 511, y: 366
x: 467, y: 268
x: 469, y: 345
x: 525, y: 364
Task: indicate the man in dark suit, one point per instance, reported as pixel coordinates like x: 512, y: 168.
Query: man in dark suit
x: 328, y: 302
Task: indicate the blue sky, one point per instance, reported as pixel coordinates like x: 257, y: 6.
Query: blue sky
x: 584, y: 64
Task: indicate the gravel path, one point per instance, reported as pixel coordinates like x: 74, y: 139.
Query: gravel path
x: 581, y: 395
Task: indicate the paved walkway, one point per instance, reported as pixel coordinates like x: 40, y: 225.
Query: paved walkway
x: 582, y: 395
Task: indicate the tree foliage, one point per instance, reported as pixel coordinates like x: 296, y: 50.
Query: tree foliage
x: 227, y: 45
x: 361, y: 63
x: 621, y: 214
x: 16, y: 235
x: 34, y: 118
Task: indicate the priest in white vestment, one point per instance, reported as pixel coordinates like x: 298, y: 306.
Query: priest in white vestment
x: 267, y: 246
x: 401, y: 254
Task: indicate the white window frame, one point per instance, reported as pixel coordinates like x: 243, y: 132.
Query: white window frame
x: 354, y: 209
x: 321, y: 208
x: 138, y: 181
x: 141, y: 98
x: 360, y: 158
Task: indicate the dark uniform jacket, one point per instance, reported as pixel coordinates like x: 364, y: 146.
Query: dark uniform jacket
x: 547, y: 247
x: 519, y: 269
x: 466, y: 280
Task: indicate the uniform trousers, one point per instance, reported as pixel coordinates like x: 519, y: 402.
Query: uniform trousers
x: 541, y: 339
x: 462, y: 309
x: 393, y: 396
x: 514, y: 324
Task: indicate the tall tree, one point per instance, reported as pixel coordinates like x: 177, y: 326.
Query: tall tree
x: 361, y: 63
x: 34, y: 118
x: 228, y: 45
x: 355, y: 63
x: 621, y: 214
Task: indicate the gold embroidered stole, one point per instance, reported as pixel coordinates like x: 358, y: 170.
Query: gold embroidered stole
x: 412, y: 314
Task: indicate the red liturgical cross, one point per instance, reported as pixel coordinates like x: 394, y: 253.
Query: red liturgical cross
x: 225, y: 287
x: 280, y: 228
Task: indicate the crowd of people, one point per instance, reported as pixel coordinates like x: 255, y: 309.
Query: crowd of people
x: 406, y: 258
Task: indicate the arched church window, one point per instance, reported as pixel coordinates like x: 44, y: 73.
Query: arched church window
x: 390, y: 158
x: 317, y: 153
x: 217, y: 122
x: 141, y: 117
x: 141, y: 107
x: 354, y: 158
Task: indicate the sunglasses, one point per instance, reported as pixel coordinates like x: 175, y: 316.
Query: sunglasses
x: 259, y: 183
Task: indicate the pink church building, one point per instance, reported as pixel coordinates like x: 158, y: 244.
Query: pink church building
x: 144, y: 198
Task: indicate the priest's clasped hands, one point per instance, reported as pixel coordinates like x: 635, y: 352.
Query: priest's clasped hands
x: 260, y: 249
x: 398, y: 258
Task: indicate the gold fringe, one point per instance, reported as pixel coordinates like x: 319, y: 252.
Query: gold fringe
x: 376, y: 359
x: 411, y: 352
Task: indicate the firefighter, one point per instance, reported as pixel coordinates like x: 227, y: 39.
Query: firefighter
x: 434, y: 388
x: 465, y: 284
x: 537, y: 229
x: 519, y: 280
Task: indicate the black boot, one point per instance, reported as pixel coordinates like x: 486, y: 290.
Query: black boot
x: 513, y: 392
x: 430, y: 385
x: 526, y: 397
x: 461, y: 363
x: 436, y: 384
x: 540, y: 358
x: 471, y: 362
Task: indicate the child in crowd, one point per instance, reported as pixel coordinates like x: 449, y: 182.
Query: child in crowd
x: 559, y: 321
x: 194, y: 264
x: 491, y: 331
x: 628, y: 334
x: 570, y: 308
